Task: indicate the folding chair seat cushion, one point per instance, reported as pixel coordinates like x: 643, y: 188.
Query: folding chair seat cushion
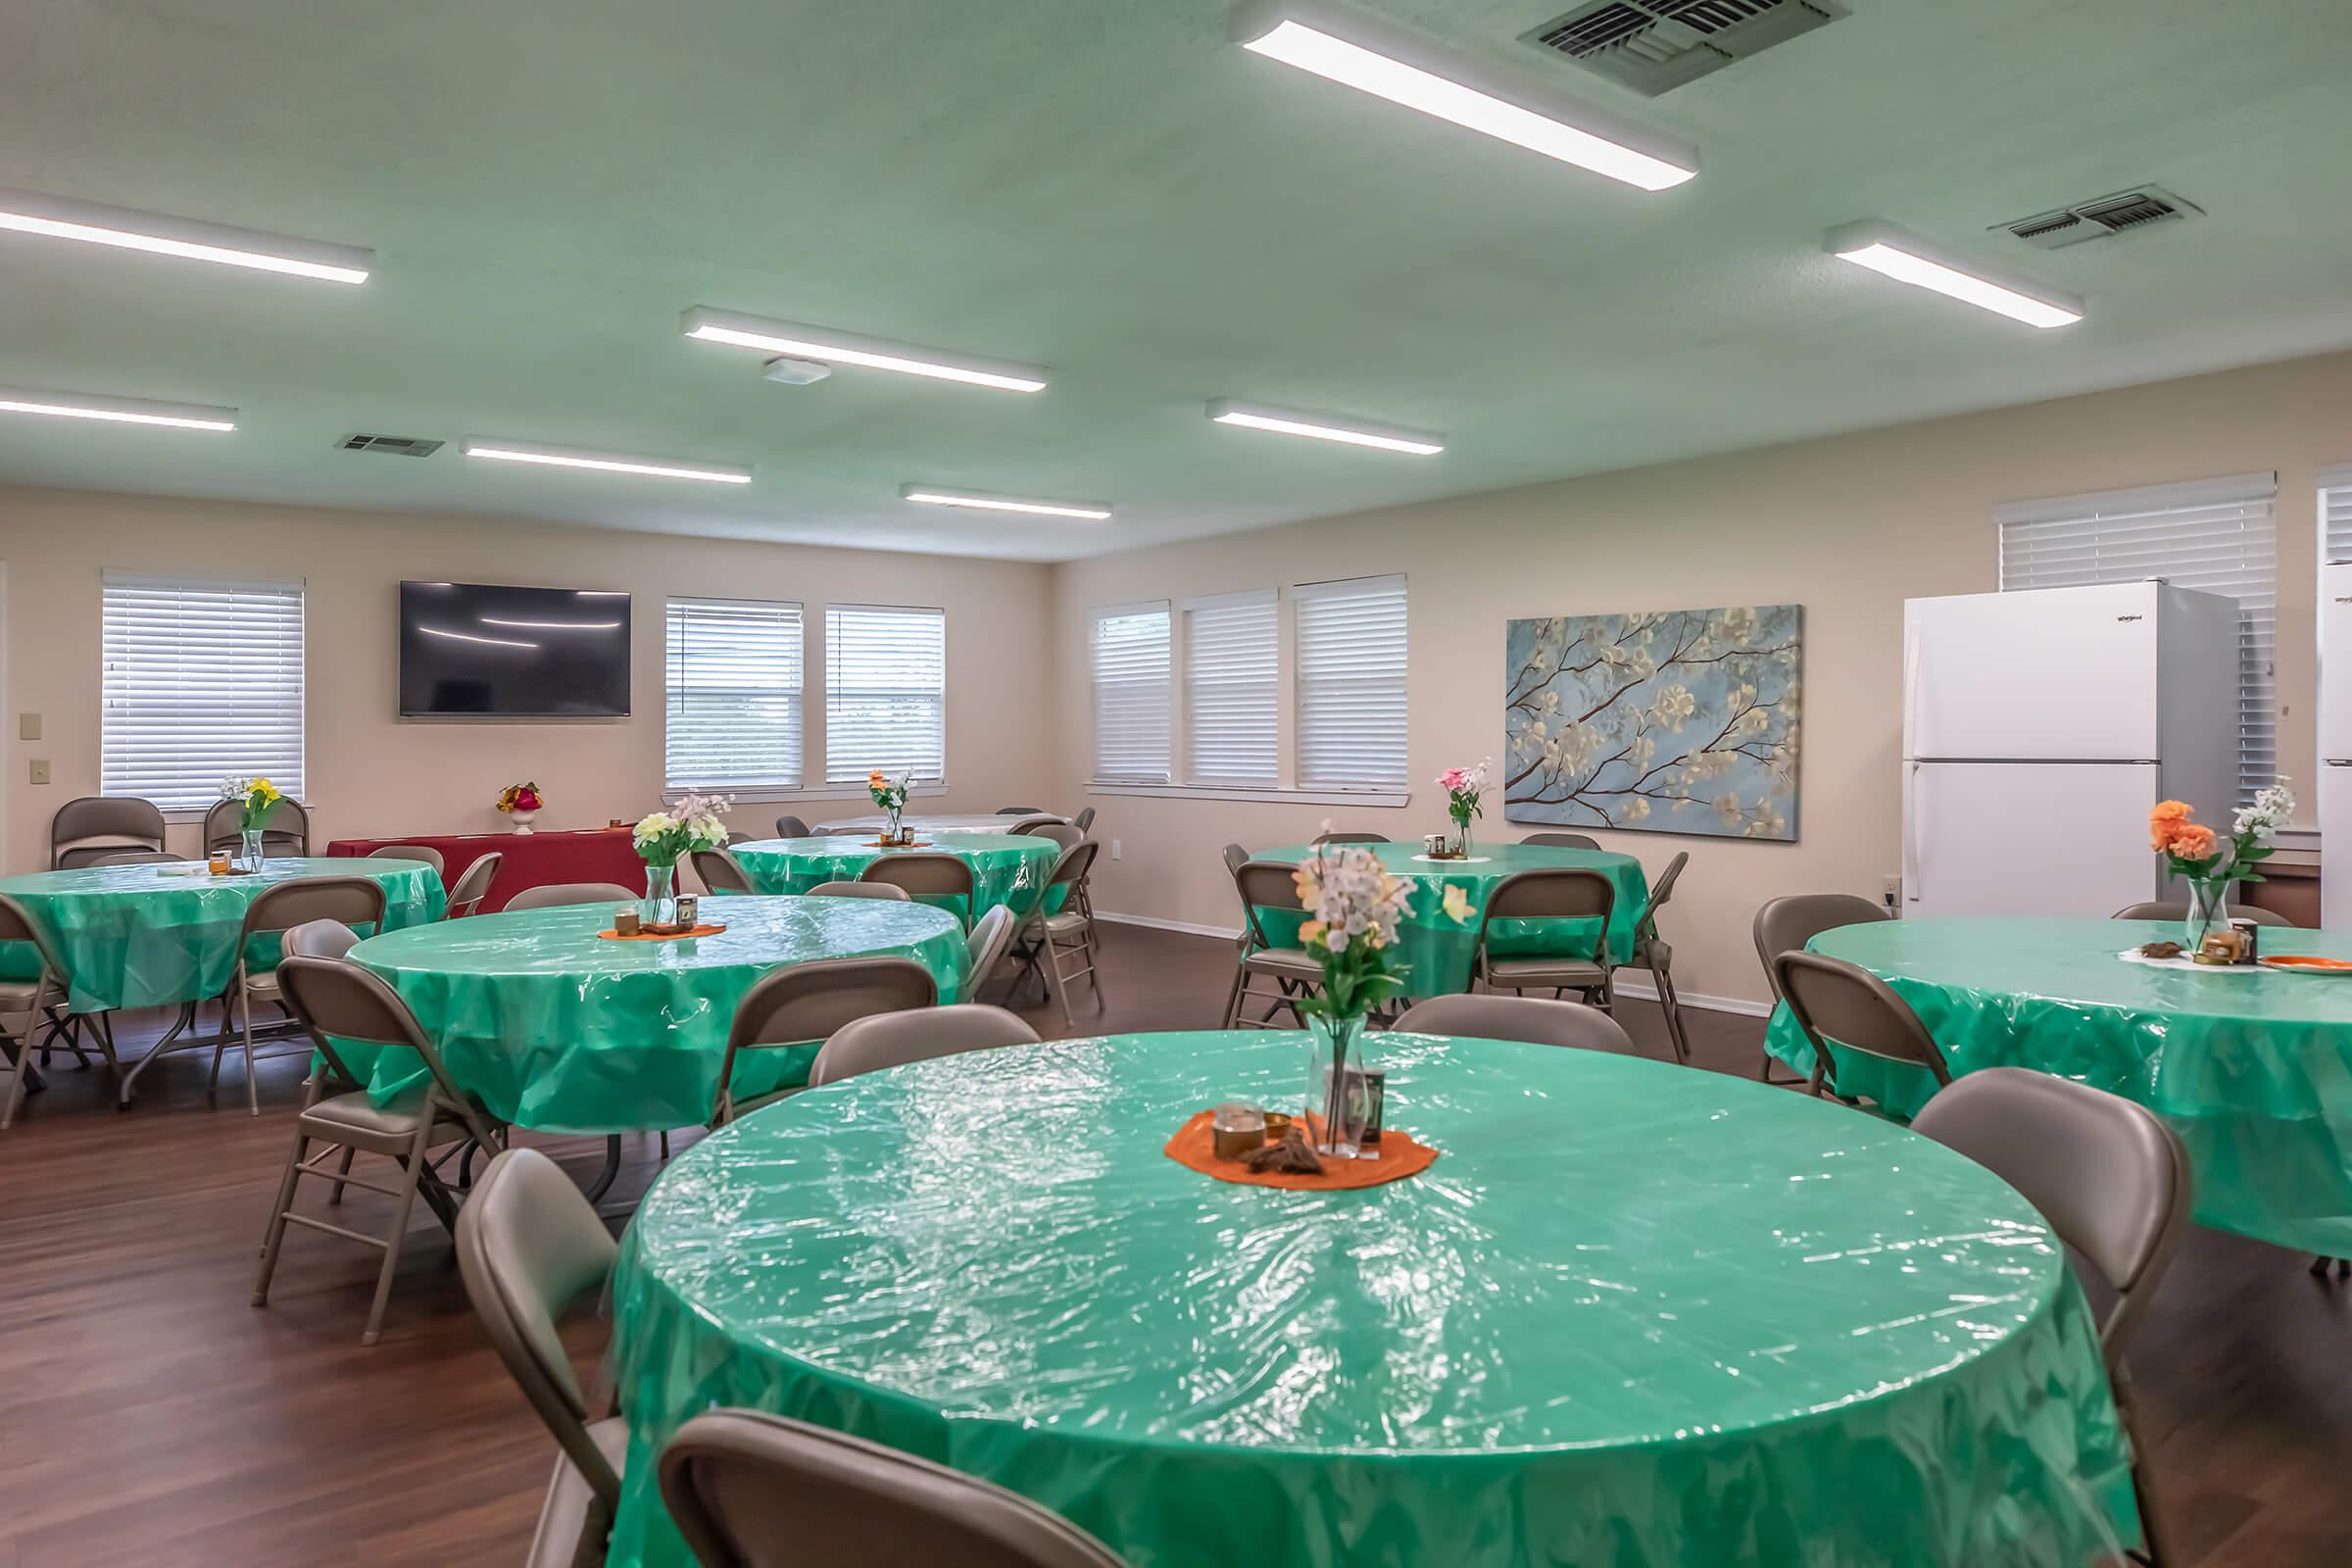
x: 1544, y: 971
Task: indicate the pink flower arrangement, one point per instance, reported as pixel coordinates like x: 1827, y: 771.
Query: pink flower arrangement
x: 1463, y: 786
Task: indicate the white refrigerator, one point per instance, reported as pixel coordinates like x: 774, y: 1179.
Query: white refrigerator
x: 2335, y: 740
x: 2041, y: 726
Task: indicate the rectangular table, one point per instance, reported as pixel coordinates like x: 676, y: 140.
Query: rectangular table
x: 527, y: 860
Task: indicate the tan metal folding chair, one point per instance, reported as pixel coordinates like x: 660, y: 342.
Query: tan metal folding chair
x: 472, y: 886
x: 1843, y: 1003
x: 895, y: 1039
x: 804, y: 1003
x: 354, y: 900
x: 719, y: 871
x: 1297, y: 972
x: 1786, y: 924
x: 93, y: 825
x: 926, y: 874
x: 568, y: 895
x: 1537, y: 1020
x: 1052, y: 935
x: 31, y: 1006
x: 1549, y: 893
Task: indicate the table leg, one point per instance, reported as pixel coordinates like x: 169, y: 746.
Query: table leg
x: 602, y: 1180
x: 180, y: 1026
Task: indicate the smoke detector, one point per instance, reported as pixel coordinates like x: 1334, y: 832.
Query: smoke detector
x: 1655, y: 46
x: 2123, y: 211
x: 391, y: 446
x: 786, y: 370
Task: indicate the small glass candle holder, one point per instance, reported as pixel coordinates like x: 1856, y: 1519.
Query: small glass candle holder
x: 625, y: 920
x: 1236, y: 1129
x: 217, y: 862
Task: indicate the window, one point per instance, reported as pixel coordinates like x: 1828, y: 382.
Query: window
x: 1231, y: 671
x: 886, y: 693
x: 202, y: 682
x: 732, y: 668
x: 2335, y: 513
x: 1131, y: 664
x: 2219, y: 535
x: 1351, y: 678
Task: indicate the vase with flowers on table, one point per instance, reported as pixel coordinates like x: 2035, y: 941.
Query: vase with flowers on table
x: 520, y: 804
x: 696, y: 823
x: 2207, y: 864
x: 256, y: 799
x: 1465, y: 790
x: 892, y: 798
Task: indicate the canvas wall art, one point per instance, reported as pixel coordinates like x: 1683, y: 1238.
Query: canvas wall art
x: 1674, y: 722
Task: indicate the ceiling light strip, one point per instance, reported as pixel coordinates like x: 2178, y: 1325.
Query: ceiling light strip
x: 1375, y: 56
x: 1325, y: 427
x: 501, y: 451
x: 931, y: 495
x: 1903, y: 256
x: 116, y: 410
x: 190, y: 239
x: 707, y: 326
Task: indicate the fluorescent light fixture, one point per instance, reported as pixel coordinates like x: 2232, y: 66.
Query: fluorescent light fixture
x: 1380, y: 57
x: 1906, y: 258
x: 480, y: 446
x: 553, y: 625
x: 931, y: 495
x: 117, y: 410
x: 823, y: 344
x: 600, y: 593
x: 128, y: 229
x: 469, y: 637
x: 1325, y: 427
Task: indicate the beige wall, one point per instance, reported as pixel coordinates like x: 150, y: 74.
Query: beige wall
x: 1847, y: 526
x: 370, y: 773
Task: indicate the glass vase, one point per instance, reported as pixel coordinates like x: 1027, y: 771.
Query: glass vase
x: 2208, y: 910
x: 249, y: 847
x: 890, y: 824
x: 1461, y: 836
x: 660, y: 888
x: 1335, y: 1103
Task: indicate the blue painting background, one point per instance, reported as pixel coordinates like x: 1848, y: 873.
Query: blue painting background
x: 1673, y: 722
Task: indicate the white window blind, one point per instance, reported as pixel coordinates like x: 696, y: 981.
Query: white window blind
x: 202, y: 682
x: 1351, y: 683
x: 1231, y: 670
x: 2219, y: 535
x: 1132, y: 671
x: 733, y: 703
x: 886, y: 693
x: 2335, y: 512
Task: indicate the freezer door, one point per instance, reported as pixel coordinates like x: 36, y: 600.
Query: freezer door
x: 2086, y: 822
x: 2058, y: 673
x: 2335, y: 660
x: 2335, y: 817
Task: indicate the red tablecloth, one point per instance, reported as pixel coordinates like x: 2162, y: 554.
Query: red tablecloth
x: 530, y: 860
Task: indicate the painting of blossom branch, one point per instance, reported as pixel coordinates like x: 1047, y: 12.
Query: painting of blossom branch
x: 1674, y: 722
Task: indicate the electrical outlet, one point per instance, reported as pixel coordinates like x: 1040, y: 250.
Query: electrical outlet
x: 1114, y: 849
x: 29, y: 726
x: 1893, y: 894
x: 40, y: 771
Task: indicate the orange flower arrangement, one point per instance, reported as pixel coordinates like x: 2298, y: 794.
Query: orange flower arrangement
x: 2199, y: 856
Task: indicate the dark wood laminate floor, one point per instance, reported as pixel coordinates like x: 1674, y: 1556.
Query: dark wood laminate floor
x: 150, y: 1416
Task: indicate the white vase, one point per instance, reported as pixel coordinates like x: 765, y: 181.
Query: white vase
x: 524, y: 821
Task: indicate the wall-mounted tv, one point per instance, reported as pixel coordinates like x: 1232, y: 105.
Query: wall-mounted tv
x: 470, y: 650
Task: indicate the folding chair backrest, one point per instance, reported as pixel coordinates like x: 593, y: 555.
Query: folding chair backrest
x: 923, y: 874
x: 413, y: 852
x: 2111, y: 1177
x: 895, y: 1039
x: 1563, y: 840
x: 1550, y: 892
x: 337, y: 999
x: 568, y: 895
x: 1265, y: 885
x: 529, y: 1244
x: 89, y: 828
x: 474, y: 884
x: 789, y: 827
x: 1537, y: 1020
x: 18, y: 924
x: 1844, y: 1003
x: 1061, y: 833
x: 353, y: 900
x: 1077, y: 862
x: 1352, y: 837
x: 719, y: 871
x: 750, y: 1491
x: 1786, y: 923
x: 320, y: 939
x: 985, y: 947
x: 857, y: 890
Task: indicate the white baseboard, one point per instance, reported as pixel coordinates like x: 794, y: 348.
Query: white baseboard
x: 1627, y: 983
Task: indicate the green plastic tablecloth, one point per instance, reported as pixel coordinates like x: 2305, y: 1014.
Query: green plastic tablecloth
x: 1635, y: 1315
x: 560, y: 1030
x: 1437, y: 951
x: 2251, y: 1066
x: 1007, y: 868
x: 130, y: 937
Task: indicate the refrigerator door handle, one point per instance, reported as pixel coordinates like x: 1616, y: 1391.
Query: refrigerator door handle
x: 2340, y: 761
x: 1910, y: 870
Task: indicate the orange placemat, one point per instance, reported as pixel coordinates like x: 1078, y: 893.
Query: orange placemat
x: 1400, y: 1156
x: 877, y: 844
x: 662, y: 936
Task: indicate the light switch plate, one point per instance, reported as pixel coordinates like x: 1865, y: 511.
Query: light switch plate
x: 29, y: 726
x: 1114, y: 849
x: 40, y: 771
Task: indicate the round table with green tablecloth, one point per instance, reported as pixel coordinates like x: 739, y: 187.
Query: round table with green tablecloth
x: 147, y: 935
x: 1007, y: 868
x: 1634, y: 1314
x: 1437, y: 951
x: 2253, y: 1068
x: 558, y: 1029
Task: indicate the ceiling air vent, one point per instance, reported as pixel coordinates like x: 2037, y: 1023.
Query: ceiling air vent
x: 2125, y: 212
x: 391, y: 446
x: 1655, y: 46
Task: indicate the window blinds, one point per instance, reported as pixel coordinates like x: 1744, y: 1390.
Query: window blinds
x: 1351, y: 683
x: 2335, y: 512
x: 1132, y: 671
x: 733, y: 704
x: 1231, y: 671
x: 202, y: 682
x: 886, y: 703
x: 2219, y: 535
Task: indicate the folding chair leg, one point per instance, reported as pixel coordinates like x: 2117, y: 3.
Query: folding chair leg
x: 19, y: 1070
x: 275, y: 1237
x: 2155, y: 1547
x: 1672, y: 1005
x: 1055, y: 983
x: 334, y: 1193
x: 1233, y: 998
x: 411, y: 1172
x: 253, y: 1093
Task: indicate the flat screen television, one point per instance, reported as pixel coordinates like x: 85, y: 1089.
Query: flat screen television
x: 470, y: 650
